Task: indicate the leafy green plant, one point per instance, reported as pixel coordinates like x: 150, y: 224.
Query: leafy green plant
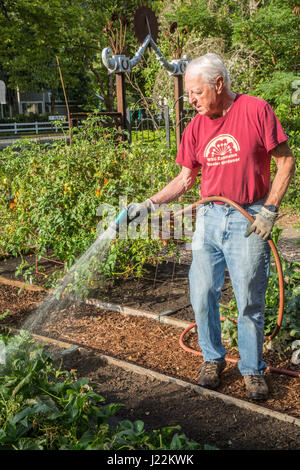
x: 4, y: 314
x: 229, y: 325
x: 290, y: 328
x: 46, y: 408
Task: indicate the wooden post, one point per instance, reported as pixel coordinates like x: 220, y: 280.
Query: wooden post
x: 121, y: 98
x: 66, y: 99
x: 178, y: 108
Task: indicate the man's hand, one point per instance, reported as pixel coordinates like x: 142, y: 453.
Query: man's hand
x: 263, y: 223
x: 139, y: 210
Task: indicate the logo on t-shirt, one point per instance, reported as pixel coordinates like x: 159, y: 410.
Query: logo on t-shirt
x: 222, y: 150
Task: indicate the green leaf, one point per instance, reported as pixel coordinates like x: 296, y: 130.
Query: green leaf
x: 138, y: 426
x: 30, y: 444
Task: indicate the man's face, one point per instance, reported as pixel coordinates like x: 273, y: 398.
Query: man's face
x: 202, y: 97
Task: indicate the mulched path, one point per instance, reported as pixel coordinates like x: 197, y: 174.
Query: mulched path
x: 147, y: 343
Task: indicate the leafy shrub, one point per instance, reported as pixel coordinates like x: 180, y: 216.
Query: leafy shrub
x: 32, y: 117
x: 52, y: 193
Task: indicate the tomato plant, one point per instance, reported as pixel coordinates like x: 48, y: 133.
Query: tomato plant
x: 52, y: 192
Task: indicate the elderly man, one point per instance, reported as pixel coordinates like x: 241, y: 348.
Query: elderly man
x: 232, y: 139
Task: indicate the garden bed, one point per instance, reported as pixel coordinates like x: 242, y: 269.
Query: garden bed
x: 153, y: 345
x: 146, y: 342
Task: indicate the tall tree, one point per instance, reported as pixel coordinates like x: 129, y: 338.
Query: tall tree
x: 34, y: 32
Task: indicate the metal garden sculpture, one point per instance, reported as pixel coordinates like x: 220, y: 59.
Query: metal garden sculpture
x: 146, y: 31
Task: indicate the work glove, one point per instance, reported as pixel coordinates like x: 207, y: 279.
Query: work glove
x: 262, y: 224
x: 139, y: 210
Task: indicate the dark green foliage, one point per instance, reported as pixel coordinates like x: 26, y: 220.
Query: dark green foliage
x: 46, y: 408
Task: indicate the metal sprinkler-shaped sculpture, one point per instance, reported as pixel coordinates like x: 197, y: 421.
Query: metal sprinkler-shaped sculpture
x: 146, y: 31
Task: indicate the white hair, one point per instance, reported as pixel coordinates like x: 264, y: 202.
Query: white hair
x: 209, y: 66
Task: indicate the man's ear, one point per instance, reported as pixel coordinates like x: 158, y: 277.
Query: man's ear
x: 219, y: 84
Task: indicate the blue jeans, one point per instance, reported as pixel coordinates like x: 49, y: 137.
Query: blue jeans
x: 219, y: 241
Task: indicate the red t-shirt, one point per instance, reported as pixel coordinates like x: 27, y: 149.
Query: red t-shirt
x: 233, y: 150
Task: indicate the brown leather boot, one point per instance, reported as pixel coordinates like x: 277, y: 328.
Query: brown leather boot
x: 209, y: 374
x: 256, y: 387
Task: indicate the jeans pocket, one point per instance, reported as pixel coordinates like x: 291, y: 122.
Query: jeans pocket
x: 198, y: 237
x: 201, y: 211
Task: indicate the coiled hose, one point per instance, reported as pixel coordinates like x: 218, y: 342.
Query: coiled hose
x: 280, y: 279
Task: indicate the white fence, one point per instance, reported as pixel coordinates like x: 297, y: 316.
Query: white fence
x: 32, y: 127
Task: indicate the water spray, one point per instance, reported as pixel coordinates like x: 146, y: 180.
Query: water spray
x: 76, y: 284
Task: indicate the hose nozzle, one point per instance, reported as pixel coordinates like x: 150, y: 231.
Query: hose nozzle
x: 116, y: 223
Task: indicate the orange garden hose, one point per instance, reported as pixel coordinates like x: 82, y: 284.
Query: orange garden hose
x: 280, y: 279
